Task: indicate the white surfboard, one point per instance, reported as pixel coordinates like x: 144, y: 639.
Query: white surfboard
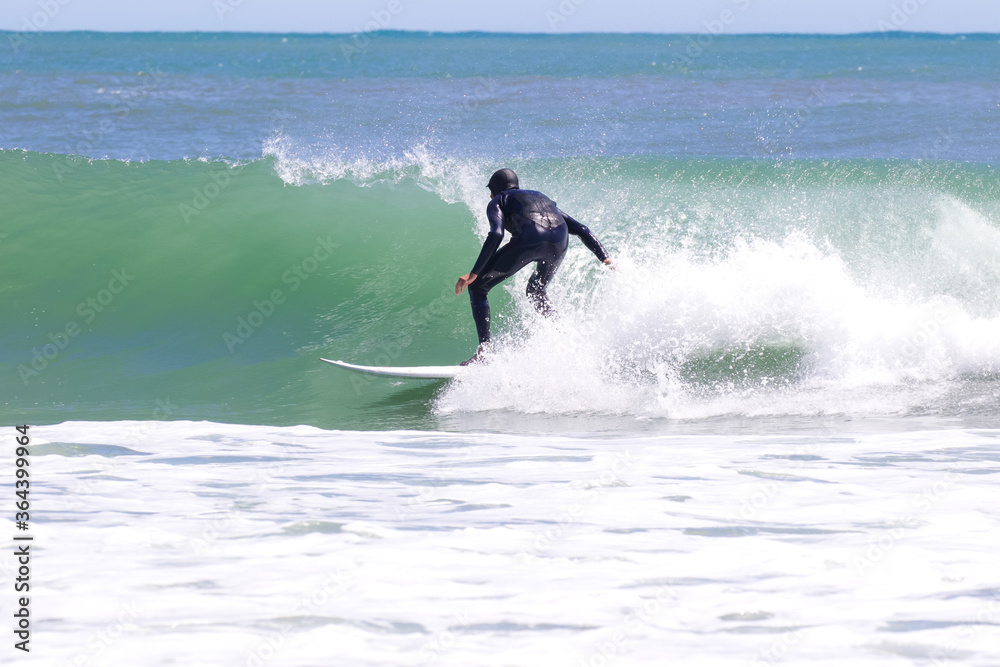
x: 420, y: 372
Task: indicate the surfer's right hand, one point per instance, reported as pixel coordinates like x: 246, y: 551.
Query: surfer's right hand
x: 464, y: 282
x: 611, y: 264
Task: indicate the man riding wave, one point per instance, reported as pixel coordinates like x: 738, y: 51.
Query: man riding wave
x: 539, y: 233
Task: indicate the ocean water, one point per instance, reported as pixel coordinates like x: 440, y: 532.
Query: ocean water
x: 768, y: 437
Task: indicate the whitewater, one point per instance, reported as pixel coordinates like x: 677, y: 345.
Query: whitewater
x: 766, y: 438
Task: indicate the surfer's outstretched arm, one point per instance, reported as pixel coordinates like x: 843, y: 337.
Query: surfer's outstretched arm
x: 492, y: 242
x: 581, y: 230
x: 490, y: 245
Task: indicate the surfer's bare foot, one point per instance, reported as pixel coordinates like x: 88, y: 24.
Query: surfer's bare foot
x: 478, y: 357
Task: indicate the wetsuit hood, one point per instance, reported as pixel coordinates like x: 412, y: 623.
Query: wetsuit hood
x: 504, y: 179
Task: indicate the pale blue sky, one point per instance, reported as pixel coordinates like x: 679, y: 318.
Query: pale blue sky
x: 729, y: 16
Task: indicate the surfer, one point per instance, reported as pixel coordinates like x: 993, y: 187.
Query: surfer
x: 539, y: 233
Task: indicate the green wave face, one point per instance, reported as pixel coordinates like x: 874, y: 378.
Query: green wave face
x: 206, y: 290
x: 215, y: 288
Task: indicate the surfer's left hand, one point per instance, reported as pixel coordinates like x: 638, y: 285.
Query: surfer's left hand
x: 464, y: 282
x: 611, y: 264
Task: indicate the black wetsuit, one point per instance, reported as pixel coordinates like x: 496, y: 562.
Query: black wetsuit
x: 539, y: 233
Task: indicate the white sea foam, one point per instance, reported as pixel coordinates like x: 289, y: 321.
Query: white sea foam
x: 765, y: 327
x: 208, y: 544
x: 454, y: 180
